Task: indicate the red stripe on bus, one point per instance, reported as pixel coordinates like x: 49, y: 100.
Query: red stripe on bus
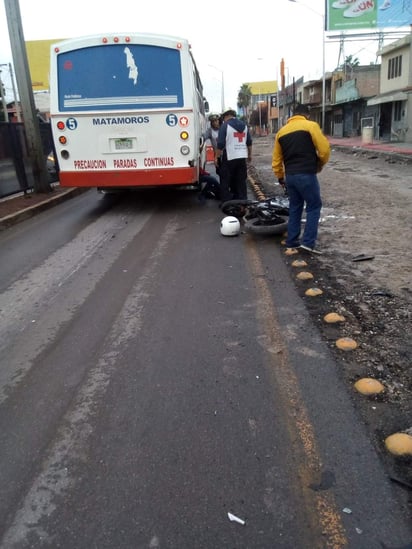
x: 129, y: 178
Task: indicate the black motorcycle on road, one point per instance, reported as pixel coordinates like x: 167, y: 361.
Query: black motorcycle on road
x: 267, y: 216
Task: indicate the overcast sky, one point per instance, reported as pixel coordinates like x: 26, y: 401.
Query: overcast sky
x: 244, y: 44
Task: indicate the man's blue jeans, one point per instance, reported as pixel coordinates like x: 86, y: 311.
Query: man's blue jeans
x: 304, y: 191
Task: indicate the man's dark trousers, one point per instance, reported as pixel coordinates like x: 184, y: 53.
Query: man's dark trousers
x: 233, y: 176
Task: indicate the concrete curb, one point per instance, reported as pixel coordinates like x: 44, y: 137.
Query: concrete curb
x: 364, y: 151
x: 13, y: 219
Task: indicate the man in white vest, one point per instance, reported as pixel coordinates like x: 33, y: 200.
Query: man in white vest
x: 234, y: 148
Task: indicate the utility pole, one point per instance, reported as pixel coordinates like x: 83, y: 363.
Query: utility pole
x: 222, y: 87
x: 24, y: 85
x: 3, y: 97
x: 16, y: 101
x: 3, y: 100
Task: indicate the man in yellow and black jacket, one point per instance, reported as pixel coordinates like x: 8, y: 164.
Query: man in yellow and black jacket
x: 300, y: 152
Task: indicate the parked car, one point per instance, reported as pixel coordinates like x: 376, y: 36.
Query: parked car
x: 52, y: 170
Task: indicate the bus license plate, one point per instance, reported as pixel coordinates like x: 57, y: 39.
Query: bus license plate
x: 124, y: 144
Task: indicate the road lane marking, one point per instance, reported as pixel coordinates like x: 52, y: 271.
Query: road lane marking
x: 321, y: 508
x: 42, y: 289
x: 70, y: 443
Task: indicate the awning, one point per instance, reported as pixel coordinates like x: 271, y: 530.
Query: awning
x: 387, y: 98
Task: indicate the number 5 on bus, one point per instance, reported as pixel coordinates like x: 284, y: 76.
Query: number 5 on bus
x: 126, y: 111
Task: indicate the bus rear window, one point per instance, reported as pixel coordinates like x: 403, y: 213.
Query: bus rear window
x: 119, y: 76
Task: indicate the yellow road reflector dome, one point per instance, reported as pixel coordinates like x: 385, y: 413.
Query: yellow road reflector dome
x: 291, y: 251
x: 333, y: 317
x: 312, y: 292
x: 299, y: 263
x: 369, y: 386
x: 304, y: 275
x: 399, y: 444
x: 346, y: 344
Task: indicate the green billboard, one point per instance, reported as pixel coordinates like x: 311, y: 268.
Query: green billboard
x: 367, y: 14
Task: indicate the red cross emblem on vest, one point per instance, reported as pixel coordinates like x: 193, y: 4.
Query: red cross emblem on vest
x: 240, y: 136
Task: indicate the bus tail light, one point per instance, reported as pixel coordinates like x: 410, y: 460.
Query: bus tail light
x: 62, y: 140
x: 64, y: 154
x: 60, y: 125
x: 184, y: 149
x: 184, y: 135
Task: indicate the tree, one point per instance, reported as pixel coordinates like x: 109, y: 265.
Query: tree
x: 243, y: 98
x: 259, y: 116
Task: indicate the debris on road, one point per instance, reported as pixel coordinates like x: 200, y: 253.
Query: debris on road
x: 234, y: 518
x: 363, y: 257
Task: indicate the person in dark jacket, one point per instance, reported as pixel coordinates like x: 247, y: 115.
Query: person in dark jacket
x: 300, y: 152
x: 234, y: 150
x: 209, y: 186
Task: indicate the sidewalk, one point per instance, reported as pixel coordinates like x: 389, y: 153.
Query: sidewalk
x: 19, y: 207
x: 382, y: 147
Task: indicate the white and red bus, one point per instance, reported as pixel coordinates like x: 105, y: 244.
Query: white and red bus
x: 127, y: 110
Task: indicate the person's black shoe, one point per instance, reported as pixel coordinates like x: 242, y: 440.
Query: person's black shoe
x: 310, y: 250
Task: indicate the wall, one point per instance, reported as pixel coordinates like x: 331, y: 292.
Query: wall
x: 400, y: 47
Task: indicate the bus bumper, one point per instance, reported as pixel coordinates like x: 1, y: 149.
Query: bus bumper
x: 129, y: 178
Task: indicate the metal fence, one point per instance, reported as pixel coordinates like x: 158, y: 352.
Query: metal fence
x: 15, y: 166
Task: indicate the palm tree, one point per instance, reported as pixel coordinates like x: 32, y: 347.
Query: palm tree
x: 243, y: 98
x: 349, y: 64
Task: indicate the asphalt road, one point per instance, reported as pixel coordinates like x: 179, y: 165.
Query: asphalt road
x: 156, y: 376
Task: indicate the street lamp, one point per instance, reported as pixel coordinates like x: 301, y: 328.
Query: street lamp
x: 222, y: 87
x: 323, y: 16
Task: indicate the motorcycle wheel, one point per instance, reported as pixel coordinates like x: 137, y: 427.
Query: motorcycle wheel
x: 237, y: 208
x: 257, y: 226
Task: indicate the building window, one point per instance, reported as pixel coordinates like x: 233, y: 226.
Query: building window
x: 395, y: 67
x: 397, y: 111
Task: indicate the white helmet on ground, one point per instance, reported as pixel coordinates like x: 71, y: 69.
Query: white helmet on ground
x: 230, y: 226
